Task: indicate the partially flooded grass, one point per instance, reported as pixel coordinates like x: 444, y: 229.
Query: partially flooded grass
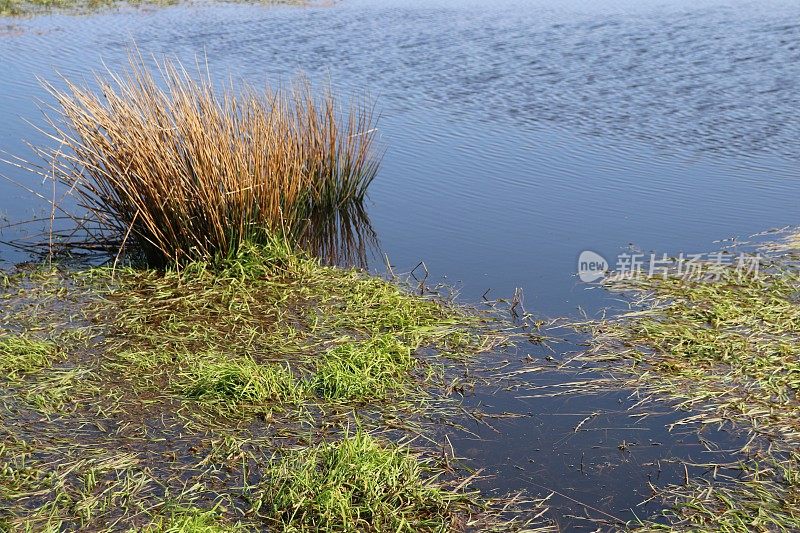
x: 729, y: 349
x: 214, y: 378
x: 758, y: 495
x: 20, y: 354
x: 724, y: 348
x: 217, y: 397
x: 356, y: 484
x: 192, y: 520
x: 367, y: 370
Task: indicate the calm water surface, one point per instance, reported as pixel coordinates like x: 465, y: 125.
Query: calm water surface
x: 518, y: 134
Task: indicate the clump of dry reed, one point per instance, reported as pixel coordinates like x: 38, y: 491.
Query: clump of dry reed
x: 162, y: 158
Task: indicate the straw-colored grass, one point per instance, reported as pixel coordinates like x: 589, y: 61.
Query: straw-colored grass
x: 187, y: 171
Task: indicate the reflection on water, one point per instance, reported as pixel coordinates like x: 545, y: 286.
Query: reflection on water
x: 344, y: 237
x: 519, y: 133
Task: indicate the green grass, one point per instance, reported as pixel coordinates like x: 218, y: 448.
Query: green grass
x: 729, y: 349
x: 239, y: 380
x: 764, y: 496
x: 20, y: 354
x: 363, y: 371
x: 191, y: 520
x: 271, y: 306
x: 174, y: 389
x: 355, y: 484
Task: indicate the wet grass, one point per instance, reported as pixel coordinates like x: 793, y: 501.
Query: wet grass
x: 218, y: 397
x: 214, y: 378
x: 724, y: 348
x: 356, y: 484
x: 759, y: 495
x: 192, y: 520
x: 364, y: 371
x: 728, y: 348
x: 20, y: 354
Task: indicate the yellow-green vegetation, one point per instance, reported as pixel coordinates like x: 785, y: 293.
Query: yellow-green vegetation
x: 239, y: 380
x: 724, y: 347
x: 217, y: 397
x: 728, y: 348
x: 759, y: 495
x: 192, y: 520
x: 364, y: 371
x: 356, y: 484
x: 34, y: 7
x: 20, y: 354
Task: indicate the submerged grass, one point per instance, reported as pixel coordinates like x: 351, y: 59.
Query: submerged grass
x: 216, y: 397
x: 20, y: 354
x: 763, y: 495
x: 726, y: 348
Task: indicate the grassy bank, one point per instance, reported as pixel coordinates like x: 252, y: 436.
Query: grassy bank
x: 265, y: 391
x: 725, y: 348
x: 19, y: 8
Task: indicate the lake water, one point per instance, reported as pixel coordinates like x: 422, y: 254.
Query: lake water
x: 518, y: 134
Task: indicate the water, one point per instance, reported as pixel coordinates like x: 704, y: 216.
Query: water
x: 518, y: 134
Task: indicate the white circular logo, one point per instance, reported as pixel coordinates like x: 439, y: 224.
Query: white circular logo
x: 591, y: 266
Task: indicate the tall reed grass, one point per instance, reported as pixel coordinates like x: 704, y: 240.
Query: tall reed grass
x: 162, y: 158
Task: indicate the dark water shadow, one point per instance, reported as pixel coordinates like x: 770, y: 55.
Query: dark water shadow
x: 344, y: 237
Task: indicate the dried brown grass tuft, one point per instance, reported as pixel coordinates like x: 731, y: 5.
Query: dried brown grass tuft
x: 166, y: 160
